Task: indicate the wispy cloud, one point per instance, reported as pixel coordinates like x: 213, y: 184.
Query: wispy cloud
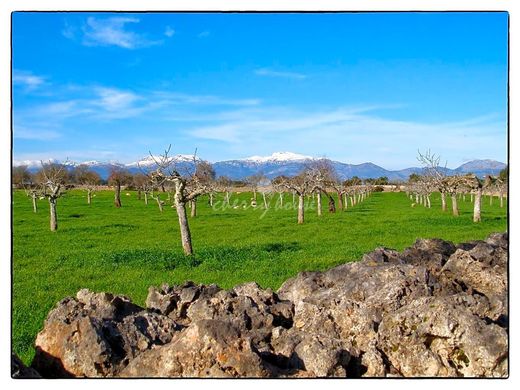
x: 274, y: 73
x: 204, y: 34
x: 27, y: 79
x: 169, y: 32
x: 347, y: 133
x: 114, y: 31
x: 39, y: 134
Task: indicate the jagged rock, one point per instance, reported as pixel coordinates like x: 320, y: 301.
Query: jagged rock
x: 434, y: 309
x: 207, y: 348
x: 435, y: 336
x: 95, y: 335
x: 20, y: 370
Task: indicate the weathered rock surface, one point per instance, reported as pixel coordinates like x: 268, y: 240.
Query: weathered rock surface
x: 435, y: 309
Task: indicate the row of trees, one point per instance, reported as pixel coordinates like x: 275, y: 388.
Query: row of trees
x: 183, y: 184
x: 434, y: 179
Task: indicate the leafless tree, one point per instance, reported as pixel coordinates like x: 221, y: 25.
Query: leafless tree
x: 224, y: 184
x: 188, y: 186
x: 202, y: 177
x: 118, y: 177
x: 142, y: 183
x: 21, y: 176
x: 87, y: 179
x: 51, y: 180
x: 253, y: 181
x: 303, y: 184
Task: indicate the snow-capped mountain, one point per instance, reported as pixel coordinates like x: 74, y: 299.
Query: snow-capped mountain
x: 280, y: 163
x: 279, y: 157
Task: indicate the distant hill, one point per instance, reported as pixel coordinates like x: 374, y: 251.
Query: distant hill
x: 288, y: 164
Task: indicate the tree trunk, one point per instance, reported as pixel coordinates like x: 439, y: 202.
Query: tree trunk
x: 476, y: 206
x: 227, y: 197
x: 319, y: 203
x: 428, y: 202
x: 117, y: 196
x: 194, y: 208
x: 443, y: 201
x: 211, y: 199
x: 464, y: 197
x: 417, y: 198
x: 254, y: 195
x: 281, y: 199
x: 301, y: 212
x: 345, y: 201
x: 184, y: 227
x: 265, y: 200
x: 146, y: 198
x: 454, y: 205
x: 501, y: 200
x: 54, y: 216
x: 138, y: 194
x: 159, y: 203
x: 332, y: 205
x: 34, y: 203
x: 89, y: 196
x: 340, y: 201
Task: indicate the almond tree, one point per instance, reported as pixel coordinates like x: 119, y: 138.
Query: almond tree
x: 118, y: 177
x: 187, y: 185
x: 88, y: 179
x: 142, y: 183
x: 51, y: 180
x: 303, y: 184
x: 203, y: 176
x: 22, y: 178
x: 254, y: 181
x: 224, y: 184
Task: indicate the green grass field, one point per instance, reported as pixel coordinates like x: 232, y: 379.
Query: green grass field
x: 126, y: 250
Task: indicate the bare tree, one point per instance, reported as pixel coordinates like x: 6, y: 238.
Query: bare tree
x: 87, y: 179
x: 303, y: 184
x: 118, y: 177
x: 203, y: 177
x: 253, y: 181
x: 51, y: 179
x: 142, y: 183
x: 187, y: 186
x: 224, y: 184
x: 21, y: 176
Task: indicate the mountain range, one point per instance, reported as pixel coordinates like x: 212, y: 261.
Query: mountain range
x: 283, y: 163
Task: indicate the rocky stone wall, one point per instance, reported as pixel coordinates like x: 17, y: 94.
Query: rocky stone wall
x: 435, y: 309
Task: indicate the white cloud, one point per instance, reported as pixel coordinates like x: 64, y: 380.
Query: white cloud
x: 274, y: 73
x: 114, y: 32
x: 27, y: 79
x: 169, y: 32
x: 353, y: 134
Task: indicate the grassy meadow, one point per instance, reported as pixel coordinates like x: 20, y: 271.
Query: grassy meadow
x: 124, y: 251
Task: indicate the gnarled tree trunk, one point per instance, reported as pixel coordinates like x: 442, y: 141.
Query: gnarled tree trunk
x: 89, y: 196
x: 146, y: 198
x: 319, y: 203
x: 443, y: 201
x: 340, y: 201
x: 159, y: 203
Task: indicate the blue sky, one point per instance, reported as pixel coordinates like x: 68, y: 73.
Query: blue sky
x: 352, y: 87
